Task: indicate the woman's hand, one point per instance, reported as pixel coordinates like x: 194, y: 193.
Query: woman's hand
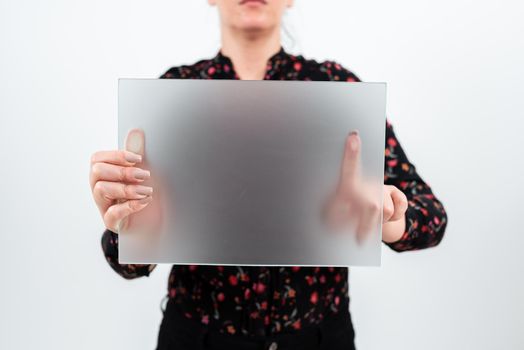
x: 393, y: 217
x: 118, y: 184
x: 356, y: 202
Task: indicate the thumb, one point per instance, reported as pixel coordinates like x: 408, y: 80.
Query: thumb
x: 135, y: 141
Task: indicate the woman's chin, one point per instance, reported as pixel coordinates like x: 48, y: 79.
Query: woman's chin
x: 256, y: 22
x: 254, y: 27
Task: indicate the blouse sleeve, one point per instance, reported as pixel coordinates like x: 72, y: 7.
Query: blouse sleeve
x: 128, y: 271
x: 426, y: 218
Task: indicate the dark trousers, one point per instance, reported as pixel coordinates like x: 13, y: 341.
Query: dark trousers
x: 179, y: 333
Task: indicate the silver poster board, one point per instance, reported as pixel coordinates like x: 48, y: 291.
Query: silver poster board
x: 241, y: 169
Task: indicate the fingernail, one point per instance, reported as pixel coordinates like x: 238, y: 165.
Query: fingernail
x: 353, y: 144
x: 144, y: 190
x: 133, y: 157
x: 146, y: 200
x: 141, y: 174
x: 117, y: 227
x: 134, y: 142
x: 354, y: 132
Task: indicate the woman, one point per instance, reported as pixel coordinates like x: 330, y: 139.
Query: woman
x: 219, y: 307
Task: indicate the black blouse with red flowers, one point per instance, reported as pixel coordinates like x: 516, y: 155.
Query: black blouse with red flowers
x: 258, y: 300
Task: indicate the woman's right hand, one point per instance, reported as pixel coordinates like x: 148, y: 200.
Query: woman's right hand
x: 118, y: 183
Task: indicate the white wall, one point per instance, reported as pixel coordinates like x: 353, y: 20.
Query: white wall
x: 454, y: 69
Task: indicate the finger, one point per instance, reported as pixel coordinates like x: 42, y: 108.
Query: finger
x: 115, y: 173
x: 110, y: 191
x: 135, y: 141
x: 368, y: 219
x: 388, y: 208
x: 351, y: 163
x: 116, y: 215
x: 339, y: 214
x: 106, y: 193
x: 124, y: 158
x: 400, y: 204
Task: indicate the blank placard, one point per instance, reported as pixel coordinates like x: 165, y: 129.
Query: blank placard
x: 242, y: 170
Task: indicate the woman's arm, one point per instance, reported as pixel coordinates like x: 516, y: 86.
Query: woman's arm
x: 120, y: 188
x: 425, y: 217
x: 110, y: 238
x: 128, y: 271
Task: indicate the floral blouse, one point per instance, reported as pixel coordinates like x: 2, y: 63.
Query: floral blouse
x: 259, y: 300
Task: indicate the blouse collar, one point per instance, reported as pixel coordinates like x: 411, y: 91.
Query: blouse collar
x: 274, y: 64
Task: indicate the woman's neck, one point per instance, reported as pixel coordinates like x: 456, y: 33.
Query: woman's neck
x: 250, y: 52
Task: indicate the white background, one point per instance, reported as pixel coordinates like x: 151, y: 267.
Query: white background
x: 454, y: 70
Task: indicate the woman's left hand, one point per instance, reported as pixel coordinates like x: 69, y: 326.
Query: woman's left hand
x: 357, y: 203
